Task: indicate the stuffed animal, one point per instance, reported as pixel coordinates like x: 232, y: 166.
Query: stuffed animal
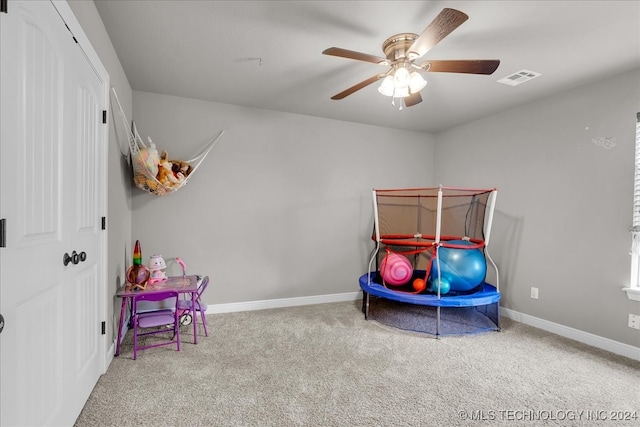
x: 145, y: 183
x: 156, y: 269
x: 181, y: 169
x: 149, y: 156
x: 165, y: 173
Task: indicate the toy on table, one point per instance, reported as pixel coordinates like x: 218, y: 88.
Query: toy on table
x: 156, y: 268
x: 185, y: 314
x: 183, y: 265
x: 137, y: 274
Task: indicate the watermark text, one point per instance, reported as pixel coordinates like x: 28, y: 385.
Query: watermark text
x: 546, y: 415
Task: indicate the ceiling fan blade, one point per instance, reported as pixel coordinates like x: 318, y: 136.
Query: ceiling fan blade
x: 358, y: 86
x: 443, y: 24
x: 413, y: 99
x: 469, y: 66
x: 350, y: 54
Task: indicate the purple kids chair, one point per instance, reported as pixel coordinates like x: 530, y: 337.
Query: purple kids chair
x: 154, y: 319
x: 186, y: 304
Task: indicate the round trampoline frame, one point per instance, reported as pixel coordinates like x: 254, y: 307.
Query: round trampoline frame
x: 487, y: 295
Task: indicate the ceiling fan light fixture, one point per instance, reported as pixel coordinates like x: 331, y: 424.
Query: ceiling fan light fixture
x: 416, y: 82
x: 402, y: 83
x: 387, y: 87
x: 401, y: 92
x: 401, y: 77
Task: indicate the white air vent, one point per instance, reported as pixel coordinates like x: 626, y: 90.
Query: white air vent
x: 518, y: 78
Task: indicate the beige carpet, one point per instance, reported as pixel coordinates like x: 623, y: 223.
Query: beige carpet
x: 324, y: 365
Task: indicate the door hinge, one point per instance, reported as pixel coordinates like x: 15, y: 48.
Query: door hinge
x: 3, y: 6
x: 72, y: 36
x: 104, y: 116
x: 104, y: 327
x: 104, y: 222
x: 3, y: 233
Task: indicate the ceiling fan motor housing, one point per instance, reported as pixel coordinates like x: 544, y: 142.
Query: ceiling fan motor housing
x: 395, y: 47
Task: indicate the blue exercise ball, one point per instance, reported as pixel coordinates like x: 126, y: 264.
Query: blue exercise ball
x: 463, y: 269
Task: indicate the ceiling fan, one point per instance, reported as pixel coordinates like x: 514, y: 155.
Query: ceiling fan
x: 402, y: 50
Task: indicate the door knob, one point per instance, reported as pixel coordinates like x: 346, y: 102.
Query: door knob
x: 74, y: 258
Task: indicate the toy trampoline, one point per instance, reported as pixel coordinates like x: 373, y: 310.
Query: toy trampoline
x: 431, y: 250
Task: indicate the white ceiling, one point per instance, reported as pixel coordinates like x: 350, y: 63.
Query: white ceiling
x: 268, y: 54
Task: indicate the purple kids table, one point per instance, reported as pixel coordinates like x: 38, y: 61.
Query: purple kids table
x: 182, y: 284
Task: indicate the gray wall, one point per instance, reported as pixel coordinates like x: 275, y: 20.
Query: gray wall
x: 119, y: 175
x: 281, y: 207
x: 564, y: 203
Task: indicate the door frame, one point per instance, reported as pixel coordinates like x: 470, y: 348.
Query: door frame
x: 65, y: 12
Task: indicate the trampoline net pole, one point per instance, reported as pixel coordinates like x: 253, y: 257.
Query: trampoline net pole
x: 376, y: 228
x: 491, y: 206
x: 373, y: 256
x: 437, y: 244
x: 376, y: 222
x: 439, y: 215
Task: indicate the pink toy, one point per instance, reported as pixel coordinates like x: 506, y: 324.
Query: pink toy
x: 183, y: 265
x: 396, y: 269
x: 156, y: 267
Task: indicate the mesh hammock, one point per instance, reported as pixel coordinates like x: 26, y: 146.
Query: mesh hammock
x: 164, y: 176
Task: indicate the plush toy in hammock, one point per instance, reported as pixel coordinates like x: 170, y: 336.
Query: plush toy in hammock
x: 146, y: 162
x: 172, y: 172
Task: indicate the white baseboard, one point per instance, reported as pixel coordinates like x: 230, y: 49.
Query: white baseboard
x: 556, y: 328
x: 284, y: 302
x: 574, y: 334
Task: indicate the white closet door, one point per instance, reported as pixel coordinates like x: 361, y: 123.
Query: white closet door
x: 50, y: 355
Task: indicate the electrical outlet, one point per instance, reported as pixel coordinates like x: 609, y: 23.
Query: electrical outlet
x: 534, y: 293
x: 634, y: 321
